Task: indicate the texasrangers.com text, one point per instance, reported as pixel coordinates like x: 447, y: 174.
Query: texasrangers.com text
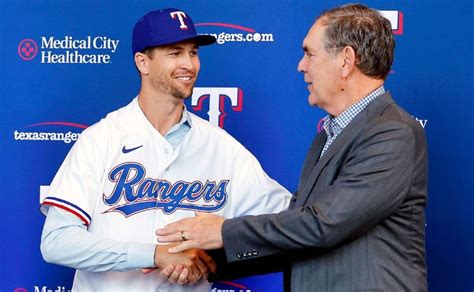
x: 256, y: 37
x: 46, y: 136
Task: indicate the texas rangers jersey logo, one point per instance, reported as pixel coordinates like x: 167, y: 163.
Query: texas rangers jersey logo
x: 142, y: 193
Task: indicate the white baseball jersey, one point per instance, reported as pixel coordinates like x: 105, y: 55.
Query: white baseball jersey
x: 124, y: 180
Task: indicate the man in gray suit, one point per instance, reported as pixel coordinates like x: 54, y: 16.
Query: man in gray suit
x: 357, y: 221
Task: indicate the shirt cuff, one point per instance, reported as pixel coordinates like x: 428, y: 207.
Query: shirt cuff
x: 140, y: 255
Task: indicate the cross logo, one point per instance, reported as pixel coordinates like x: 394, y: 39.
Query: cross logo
x: 27, y: 49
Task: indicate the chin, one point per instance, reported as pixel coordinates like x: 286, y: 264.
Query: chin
x: 182, y: 93
x: 187, y: 91
x: 188, y: 94
x: 312, y: 100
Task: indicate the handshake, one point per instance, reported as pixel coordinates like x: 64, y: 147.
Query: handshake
x: 184, y: 261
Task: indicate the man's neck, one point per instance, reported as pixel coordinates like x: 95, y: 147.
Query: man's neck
x: 354, y: 92
x: 163, y: 112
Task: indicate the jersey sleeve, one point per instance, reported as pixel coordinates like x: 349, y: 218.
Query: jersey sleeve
x: 66, y: 241
x: 75, y: 187
x: 253, y: 192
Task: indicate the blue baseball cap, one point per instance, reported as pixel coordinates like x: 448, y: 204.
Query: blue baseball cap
x: 164, y: 27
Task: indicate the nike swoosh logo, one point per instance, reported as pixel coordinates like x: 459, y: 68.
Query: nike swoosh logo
x: 125, y: 150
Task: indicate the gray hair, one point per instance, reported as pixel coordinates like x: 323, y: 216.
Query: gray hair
x: 366, y: 31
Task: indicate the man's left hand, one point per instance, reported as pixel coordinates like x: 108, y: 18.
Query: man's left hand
x: 202, y: 231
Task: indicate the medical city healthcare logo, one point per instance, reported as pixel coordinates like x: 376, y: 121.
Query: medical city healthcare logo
x: 69, y: 49
x: 65, y: 132
x: 27, y: 49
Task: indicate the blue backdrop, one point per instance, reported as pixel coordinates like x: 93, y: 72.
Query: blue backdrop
x: 248, y: 85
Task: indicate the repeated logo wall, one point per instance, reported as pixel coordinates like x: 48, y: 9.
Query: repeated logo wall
x: 66, y: 64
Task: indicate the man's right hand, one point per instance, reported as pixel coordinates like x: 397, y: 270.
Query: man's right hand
x: 186, y: 267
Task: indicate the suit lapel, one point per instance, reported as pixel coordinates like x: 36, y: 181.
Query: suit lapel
x: 313, y: 156
x: 311, y: 173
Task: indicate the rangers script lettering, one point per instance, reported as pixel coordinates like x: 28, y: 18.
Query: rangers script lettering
x: 143, y: 194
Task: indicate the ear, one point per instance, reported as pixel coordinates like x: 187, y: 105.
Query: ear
x: 141, y: 61
x: 349, y: 59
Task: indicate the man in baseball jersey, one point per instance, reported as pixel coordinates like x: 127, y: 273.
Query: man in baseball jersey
x: 146, y: 165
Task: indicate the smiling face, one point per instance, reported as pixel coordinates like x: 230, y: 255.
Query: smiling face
x: 173, y: 69
x: 322, y: 70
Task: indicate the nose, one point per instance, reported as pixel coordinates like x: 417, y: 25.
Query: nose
x: 302, y: 65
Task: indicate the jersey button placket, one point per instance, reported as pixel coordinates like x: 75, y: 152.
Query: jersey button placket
x: 173, y: 154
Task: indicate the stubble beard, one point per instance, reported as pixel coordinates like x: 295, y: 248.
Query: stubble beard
x: 167, y: 85
x: 180, y: 93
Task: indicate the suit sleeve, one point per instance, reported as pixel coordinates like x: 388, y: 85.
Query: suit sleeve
x: 370, y: 185
x: 240, y: 269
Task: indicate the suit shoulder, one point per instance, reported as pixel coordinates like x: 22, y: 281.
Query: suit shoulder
x: 393, y: 114
x: 392, y: 117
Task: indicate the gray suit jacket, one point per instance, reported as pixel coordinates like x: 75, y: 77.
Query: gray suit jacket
x: 357, y: 221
